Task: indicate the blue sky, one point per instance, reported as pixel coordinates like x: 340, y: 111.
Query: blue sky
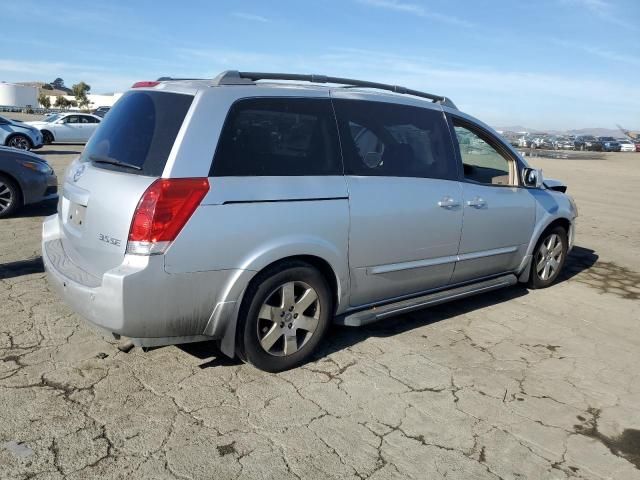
x: 541, y: 64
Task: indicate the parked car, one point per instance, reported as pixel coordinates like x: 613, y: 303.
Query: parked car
x: 637, y: 146
x: 544, y: 142
x: 587, y: 142
x: 563, y: 143
x: 627, y: 146
x: 258, y: 213
x: 19, y: 135
x: 67, y: 127
x: 25, y: 178
x: 609, y: 144
x: 101, y: 111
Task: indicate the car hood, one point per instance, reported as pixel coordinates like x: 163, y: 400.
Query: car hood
x: 36, y: 124
x: 25, y: 125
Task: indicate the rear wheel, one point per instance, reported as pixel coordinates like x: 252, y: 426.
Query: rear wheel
x: 286, y: 312
x: 10, y: 196
x: 549, y: 257
x: 20, y: 142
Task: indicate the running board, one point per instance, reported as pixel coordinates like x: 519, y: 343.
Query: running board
x: 375, y: 314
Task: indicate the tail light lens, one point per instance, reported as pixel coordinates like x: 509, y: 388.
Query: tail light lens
x: 165, y: 207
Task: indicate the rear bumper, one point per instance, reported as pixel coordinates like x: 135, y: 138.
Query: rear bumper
x: 139, y: 299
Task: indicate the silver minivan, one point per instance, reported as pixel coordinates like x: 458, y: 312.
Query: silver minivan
x: 257, y: 212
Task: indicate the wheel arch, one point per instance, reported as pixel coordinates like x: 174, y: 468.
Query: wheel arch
x: 15, y: 134
x: 560, y: 221
x: 15, y: 180
x: 227, y: 319
x: 45, y: 131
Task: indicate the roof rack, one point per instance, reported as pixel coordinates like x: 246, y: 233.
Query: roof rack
x: 233, y: 77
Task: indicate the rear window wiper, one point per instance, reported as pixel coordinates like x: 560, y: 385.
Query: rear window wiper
x: 113, y: 161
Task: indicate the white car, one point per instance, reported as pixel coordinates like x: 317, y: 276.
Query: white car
x: 627, y: 146
x: 67, y: 127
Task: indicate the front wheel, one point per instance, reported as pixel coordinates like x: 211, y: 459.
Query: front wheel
x: 47, y: 138
x: 10, y: 197
x: 549, y: 257
x: 20, y: 142
x: 286, y: 312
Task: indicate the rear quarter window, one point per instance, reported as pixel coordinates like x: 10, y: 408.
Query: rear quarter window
x: 139, y: 131
x: 278, y: 137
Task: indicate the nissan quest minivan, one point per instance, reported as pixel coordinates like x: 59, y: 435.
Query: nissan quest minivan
x: 256, y: 212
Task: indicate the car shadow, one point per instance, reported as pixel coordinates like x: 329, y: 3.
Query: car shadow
x: 579, y: 260
x: 41, y: 209
x: 21, y: 267
x: 58, y: 152
x: 340, y: 338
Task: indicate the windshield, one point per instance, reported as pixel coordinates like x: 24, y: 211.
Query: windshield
x: 52, y: 118
x: 139, y: 132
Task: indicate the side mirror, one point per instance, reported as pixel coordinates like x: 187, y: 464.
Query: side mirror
x: 532, y: 177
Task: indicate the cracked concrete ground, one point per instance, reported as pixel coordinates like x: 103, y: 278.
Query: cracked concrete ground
x: 514, y: 384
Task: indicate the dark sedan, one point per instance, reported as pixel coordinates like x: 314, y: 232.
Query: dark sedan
x: 609, y: 144
x: 25, y: 178
x: 587, y: 142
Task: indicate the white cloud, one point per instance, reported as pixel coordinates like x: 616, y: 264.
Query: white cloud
x: 417, y: 10
x: 604, y: 10
x: 600, y: 52
x: 250, y: 17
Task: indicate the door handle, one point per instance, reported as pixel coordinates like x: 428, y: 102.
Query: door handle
x: 477, y: 202
x: 448, y: 202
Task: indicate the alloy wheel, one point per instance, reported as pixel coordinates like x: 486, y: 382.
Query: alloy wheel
x: 20, y: 142
x: 6, y: 197
x: 288, y: 318
x: 549, y: 257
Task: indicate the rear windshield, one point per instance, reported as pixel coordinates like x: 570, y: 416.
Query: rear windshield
x: 138, y: 133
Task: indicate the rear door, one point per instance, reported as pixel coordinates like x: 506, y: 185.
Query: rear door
x: 87, y: 126
x: 99, y: 198
x: 499, y: 214
x: 405, y: 200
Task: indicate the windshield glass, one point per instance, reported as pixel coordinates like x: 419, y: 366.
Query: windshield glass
x: 52, y: 118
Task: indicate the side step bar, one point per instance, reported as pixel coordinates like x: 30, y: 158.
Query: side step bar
x: 375, y: 314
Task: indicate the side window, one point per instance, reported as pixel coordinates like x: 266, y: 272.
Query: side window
x: 278, y: 137
x: 71, y: 119
x: 386, y: 139
x: 481, y: 162
x: 84, y: 119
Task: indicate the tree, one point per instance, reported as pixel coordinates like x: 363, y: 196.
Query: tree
x: 44, y: 100
x: 63, y: 103
x: 58, y: 83
x: 80, y: 91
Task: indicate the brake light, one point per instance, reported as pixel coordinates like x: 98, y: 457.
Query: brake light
x: 162, y: 212
x: 145, y: 84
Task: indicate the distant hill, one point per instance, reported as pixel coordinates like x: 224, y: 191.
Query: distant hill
x: 47, y: 89
x: 597, y: 131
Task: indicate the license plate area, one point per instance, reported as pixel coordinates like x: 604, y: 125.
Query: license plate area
x: 76, y: 215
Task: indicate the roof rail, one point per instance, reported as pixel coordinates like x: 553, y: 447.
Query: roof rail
x: 233, y: 77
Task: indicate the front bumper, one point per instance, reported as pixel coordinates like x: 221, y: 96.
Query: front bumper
x: 139, y: 299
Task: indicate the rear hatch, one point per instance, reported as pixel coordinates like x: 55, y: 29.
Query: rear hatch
x: 102, y: 188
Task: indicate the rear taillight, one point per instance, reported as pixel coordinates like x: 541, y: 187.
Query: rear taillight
x: 165, y: 207
x: 145, y: 84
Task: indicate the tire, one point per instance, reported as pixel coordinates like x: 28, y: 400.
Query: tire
x: 547, y: 265
x: 10, y: 196
x: 21, y: 142
x: 47, y: 138
x: 273, y: 338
